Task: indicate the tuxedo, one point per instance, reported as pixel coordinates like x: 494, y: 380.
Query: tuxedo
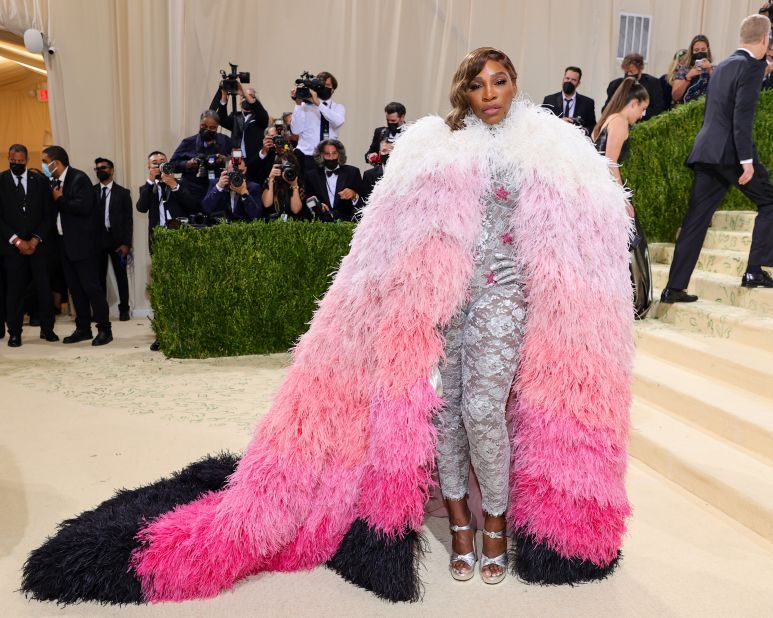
x: 234, y: 206
x: 369, y: 180
x: 26, y: 214
x: 582, y: 107
x: 78, y: 221
x: 116, y: 229
x: 162, y: 204
x: 347, y: 177
x: 651, y: 85
x: 723, y: 143
x: 379, y: 135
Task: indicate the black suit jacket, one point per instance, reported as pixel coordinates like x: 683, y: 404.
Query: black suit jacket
x: 585, y: 108
x: 253, y: 131
x: 725, y: 137
x: 35, y: 219
x: 369, y: 179
x: 348, y: 178
x: 79, y: 214
x: 651, y: 85
x: 121, y: 217
x: 179, y: 203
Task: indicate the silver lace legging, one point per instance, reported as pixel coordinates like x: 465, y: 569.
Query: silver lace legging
x: 482, y: 348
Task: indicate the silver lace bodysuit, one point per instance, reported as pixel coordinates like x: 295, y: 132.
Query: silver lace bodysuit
x: 482, y: 349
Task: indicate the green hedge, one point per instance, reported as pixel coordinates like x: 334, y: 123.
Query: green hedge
x: 656, y: 172
x: 244, y: 288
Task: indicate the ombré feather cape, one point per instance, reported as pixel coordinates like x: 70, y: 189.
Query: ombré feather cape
x: 339, y: 470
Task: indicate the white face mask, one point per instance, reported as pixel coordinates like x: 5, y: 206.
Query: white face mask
x: 769, y: 60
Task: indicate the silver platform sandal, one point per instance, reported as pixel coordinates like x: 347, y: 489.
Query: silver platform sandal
x: 469, y: 559
x: 500, y: 560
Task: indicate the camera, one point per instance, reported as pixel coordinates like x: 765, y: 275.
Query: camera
x: 230, y: 81
x: 207, y: 163
x: 305, y: 84
x: 315, y: 207
x: 289, y: 173
x: 166, y: 168
x: 280, y: 143
x: 236, y: 178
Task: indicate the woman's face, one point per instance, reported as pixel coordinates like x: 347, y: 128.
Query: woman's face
x: 700, y: 46
x: 491, y: 92
x: 635, y: 110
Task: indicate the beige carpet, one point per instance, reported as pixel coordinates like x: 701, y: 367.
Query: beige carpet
x: 78, y: 422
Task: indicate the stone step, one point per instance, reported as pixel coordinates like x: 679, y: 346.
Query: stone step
x: 714, y: 470
x: 727, y: 411
x: 723, y: 321
x: 720, y: 261
x: 731, y: 241
x: 734, y: 220
x: 722, y: 360
x: 723, y: 289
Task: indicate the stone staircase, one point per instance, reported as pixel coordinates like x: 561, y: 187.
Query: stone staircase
x: 703, y: 391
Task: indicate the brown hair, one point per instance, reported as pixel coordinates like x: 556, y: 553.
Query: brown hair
x: 324, y: 76
x: 471, y: 65
x: 633, y: 59
x: 753, y: 28
x: 626, y: 92
x: 697, y: 39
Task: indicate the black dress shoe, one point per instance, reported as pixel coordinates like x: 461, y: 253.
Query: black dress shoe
x: 757, y: 281
x: 124, y: 316
x: 103, y: 337
x: 49, y: 335
x: 14, y: 341
x: 677, y: 296
x: 154, y: 346
x: 78, y: 335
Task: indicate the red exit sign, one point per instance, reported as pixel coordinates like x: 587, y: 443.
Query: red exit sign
x: 42, y: 95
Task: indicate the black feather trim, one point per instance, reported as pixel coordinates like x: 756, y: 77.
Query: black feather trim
x: 388, y: 567
x: 88, y: 557
x: 536, y: 563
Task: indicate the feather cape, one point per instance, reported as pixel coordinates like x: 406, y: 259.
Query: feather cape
x: 340, y: 469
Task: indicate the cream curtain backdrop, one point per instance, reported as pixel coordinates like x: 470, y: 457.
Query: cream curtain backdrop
x: 131, y: 76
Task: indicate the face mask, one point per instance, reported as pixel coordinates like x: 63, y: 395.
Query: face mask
x: 393, y: 126
x: 103, y: 174
x: 207, y: 135
x: 769, y: 60
x: 331, y: 164
x: 568, y: 88
x: 46, y: 170
x: 325, y: 93
x: 246, y: 107
x: 17, y: 169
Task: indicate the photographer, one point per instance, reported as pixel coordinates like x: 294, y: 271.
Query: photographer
x: 371, y: 176
x: 246, y: 125
x: 570, y: 105
x: 692, y: 79
x: 237, y: 198
x: 336, y: 186
x: 282, y: 192
x: 162, y: 196
x: 201, y: 157
x: 633, y: 66
x: 395, y: 123
x: 316, y: 116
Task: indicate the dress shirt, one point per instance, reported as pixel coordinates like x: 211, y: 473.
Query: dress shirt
x: 163, y: 215
x: 307, y: 120
x: 59, y: 215
x: 572, y: 104
x: 107, y: 202
x: 332, y: 180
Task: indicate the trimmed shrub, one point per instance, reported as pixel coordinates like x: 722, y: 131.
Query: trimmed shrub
x: 660, y: 180
x: 242, y: 288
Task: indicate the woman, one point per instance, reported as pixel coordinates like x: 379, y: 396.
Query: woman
x: 340, y: 469
x: 692, y: 79
x: 282, y: 193
x: 610, y: 136
x: 667, y: 79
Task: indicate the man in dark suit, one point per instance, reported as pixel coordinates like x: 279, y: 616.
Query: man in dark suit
x: 395, y: 125
x: 76, y: 223
x: 26, y: 228
x: 240, y: 202
x: 115, y: 230
x: 570, y: 105
x: 247, y: 126
x: 724, y: 155
x: 162, y: 197
x: 633, y: 66
x: 372, y: 176
x: 336, y: 185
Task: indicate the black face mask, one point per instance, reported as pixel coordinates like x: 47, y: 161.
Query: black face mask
x: 568, y: 88
x: 207, y: 135
x: 246, y: 107
x: 17, y: 169
x: 393, y: 126
x: 103, y: 174
x: 325, y: 93
x: 331, y: 164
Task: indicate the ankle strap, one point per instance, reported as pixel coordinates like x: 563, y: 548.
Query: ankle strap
x: 499, y: 534
x: 455, y: 528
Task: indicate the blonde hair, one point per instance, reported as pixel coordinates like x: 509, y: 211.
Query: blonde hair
x: 471, y: 65
x: 753, y: 28
x: 680, y: 58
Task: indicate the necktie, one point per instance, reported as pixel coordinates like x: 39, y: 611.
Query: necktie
x: 324, y: 127
x: 567, y: 107
x: 331, y: 172
x: 22, y: 194
x: 103, y: 204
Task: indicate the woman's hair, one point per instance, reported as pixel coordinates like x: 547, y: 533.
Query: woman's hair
x: 626, y: 92
x: 679, y: 59
x: 697, y: 39
x: 320, y: 161
x: 471, y: 65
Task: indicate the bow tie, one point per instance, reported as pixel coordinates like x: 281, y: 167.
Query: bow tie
x: 331, y: 172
